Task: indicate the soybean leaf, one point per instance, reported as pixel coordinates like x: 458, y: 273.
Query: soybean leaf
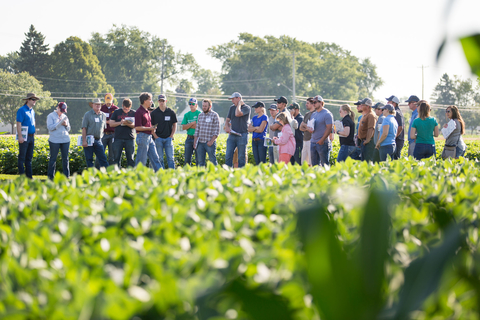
x: 471, y: 48
x: 374, y: 243
x: 334, y: 279
x: 423, y: 275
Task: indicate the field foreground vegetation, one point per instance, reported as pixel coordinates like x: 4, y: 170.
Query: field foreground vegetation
x: 355, y: 241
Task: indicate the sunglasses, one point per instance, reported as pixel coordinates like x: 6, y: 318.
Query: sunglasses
x: 191, y: 103
x: 33, y: 99
x: 448, y: 111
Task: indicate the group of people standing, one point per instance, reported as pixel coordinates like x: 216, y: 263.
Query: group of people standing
x: 380, y: 130
x: 286, y: 134
x: 106, y: 126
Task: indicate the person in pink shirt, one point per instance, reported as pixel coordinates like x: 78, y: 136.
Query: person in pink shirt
x: 286, y: 141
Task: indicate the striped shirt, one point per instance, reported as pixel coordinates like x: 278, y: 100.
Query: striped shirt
x: 208, y: 125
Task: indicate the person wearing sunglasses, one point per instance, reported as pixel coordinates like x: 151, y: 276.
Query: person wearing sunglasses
x: 26, y: 142
x: 189, y: 123
x: 166, y: 121
x: 412, y: 105
x: 454, y: 138
x: 58, y: 127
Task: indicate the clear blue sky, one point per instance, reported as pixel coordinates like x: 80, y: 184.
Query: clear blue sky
x: 398, y: 36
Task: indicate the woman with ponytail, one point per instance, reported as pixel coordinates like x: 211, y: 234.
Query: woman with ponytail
x: 347, y: 144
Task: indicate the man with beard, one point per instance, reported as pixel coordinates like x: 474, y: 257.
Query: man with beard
x: 206, y: 133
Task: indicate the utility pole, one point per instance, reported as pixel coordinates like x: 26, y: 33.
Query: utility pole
x: 293, y: 76
x: 423, y: 82
x: 163, y: 65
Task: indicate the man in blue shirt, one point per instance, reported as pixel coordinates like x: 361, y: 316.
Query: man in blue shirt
x: 26, y: 118
x: 412, y: 104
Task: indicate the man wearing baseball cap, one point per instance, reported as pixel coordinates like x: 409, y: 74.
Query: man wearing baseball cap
x: 123, y: 120
x: 189, y: 123
x: 379, y: 112
x: 306, y: 154
x: 281, y: 103
x: 108, y: 137
x: 400, y: 139
x: 320, y: 144
x: 26, y: 119
x: 58, y: 127
x: 294, y: 109
x: 166, y: 121
x: 236, y: 125
x: 366, y: 130
x: 412, y: 104
x: 93, y: 124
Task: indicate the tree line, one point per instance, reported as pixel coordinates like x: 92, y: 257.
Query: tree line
x: 126, y: 61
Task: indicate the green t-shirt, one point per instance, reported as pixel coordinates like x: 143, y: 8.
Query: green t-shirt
x: 191, y: 117
x: 425, y: 130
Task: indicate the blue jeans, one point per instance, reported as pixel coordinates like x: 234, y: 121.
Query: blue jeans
x: 398, y: 148
x: 189, y: 150
x: 423, y: 151
x: 118, y: 146
x: 25, y: 156
x: 320, y: 153
x: 202, y: 150
x: 99, y: 151
x: 167, y: 144
x: 386, y: 150
x: 344, y: 152
x: 239, y: 142
x: 54, y: 148
x: 107, y: 141
x: 259, y: 151
x: 459, y: 152
x: 146, y: 147
x: 297, y: 156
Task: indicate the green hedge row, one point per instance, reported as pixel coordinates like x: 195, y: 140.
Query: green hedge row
x: 9, y: 154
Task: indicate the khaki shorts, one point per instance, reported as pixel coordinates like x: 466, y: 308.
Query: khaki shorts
x: 306, y: 155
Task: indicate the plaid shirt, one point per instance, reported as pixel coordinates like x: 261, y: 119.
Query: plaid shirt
x: 208, y: 125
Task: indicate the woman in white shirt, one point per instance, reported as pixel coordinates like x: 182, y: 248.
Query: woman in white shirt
x: 58, y: 127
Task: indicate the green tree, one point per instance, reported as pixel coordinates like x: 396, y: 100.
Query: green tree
x: 258, y: 66
x: 75, y: 72
x: 444, y: 92
x: 465, y: 93
x: 131, y: 59
x: 184, y: 87
x: 33, y: 54
x: 208, y: 82
x: 9, y: 62
x: 14, y: 87
x: 368, y: 81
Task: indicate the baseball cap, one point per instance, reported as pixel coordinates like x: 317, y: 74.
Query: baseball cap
x: 63, y: 107
x: 108, y: 98
x: 235, y: 95
x: 259, y: 105
x: 192, y: 100
x: 378, y: 105
x: 412, y: 99
x: 282, y: 99
x: 393, y: 99
x: 389, y: 107
x: 162, y: 97
x: 359, y: 102
x: 293, y: 105
x: 367, y: 102
x: 273, y: 106
x: 318, y: 98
